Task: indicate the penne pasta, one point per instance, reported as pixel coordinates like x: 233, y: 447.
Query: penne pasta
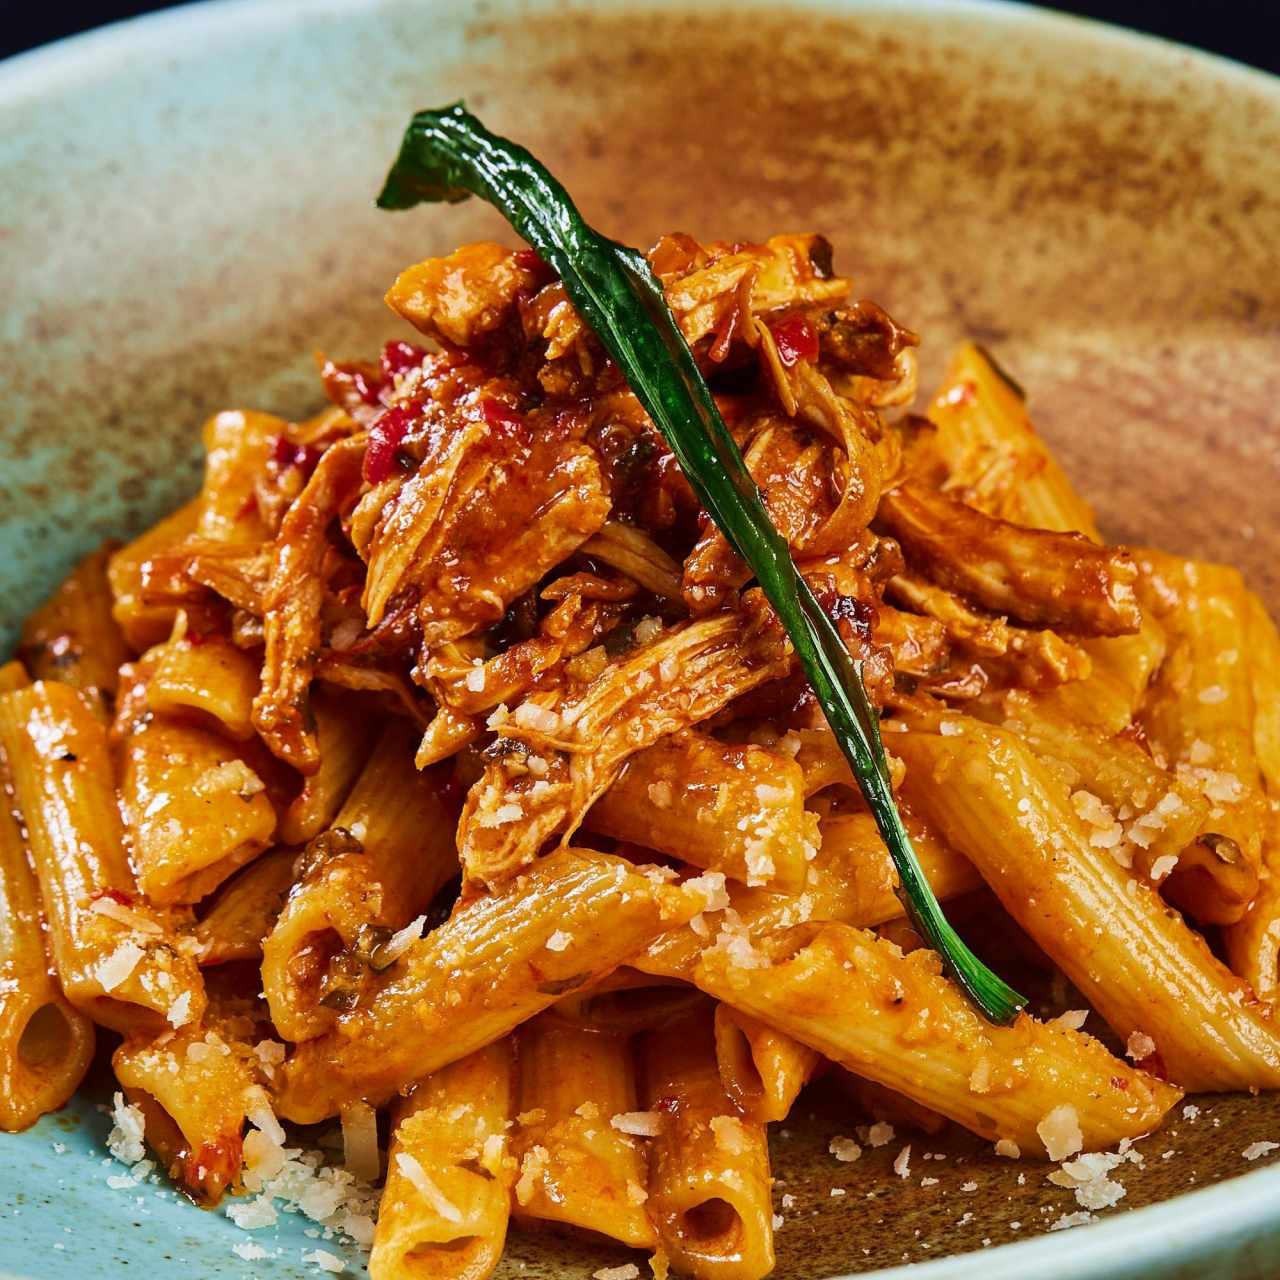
x: 445, y: 1205
x: 762, y: 1070
x: 45, y: 1044
x: 344, y: 738
x: 387, y: 855
x: 1153, y: 815
x: 993, y: 452
x: 730, y: 808
x: 73, y: 636
x: 192, y: 1086
x: 245, y: 909
x: 897, y: 1021
x: 144, y: 624
x: 709, y: 1184
x: 578, y: 1164
x: 209, y: 679
x: 1135, y: 961
x: 115, y: 955
x: 1199, y: 718
x: 854, y: 881
x: 237, y: 445
x: 481, y: 974
x: 194, y: 811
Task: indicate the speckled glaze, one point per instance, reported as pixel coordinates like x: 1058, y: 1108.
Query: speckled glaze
x: 185, y: 216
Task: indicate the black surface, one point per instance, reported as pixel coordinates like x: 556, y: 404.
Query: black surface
x: 1247, y: 30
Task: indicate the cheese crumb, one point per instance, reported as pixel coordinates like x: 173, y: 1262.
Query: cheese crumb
x: 844, y: 1149
x: 1257, y: 1149
x: 902, y: 1163
x: 660, y: 794
x: 1072, y: 1020
x: 880, y: 1134
x: 628, y: 1271
x: 1008, y: 1148
x: 412, y: 1169
x: 125, y: 1139
x: 559, y: 941
x: 730, y: 1134
x: 1139, y: 1046
x: 640, y: 1124
x: 325, y: 1260
x: 116, y: 968
x: 1060, y: 1132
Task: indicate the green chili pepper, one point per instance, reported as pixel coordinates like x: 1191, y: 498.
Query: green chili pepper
x: 448, y: 155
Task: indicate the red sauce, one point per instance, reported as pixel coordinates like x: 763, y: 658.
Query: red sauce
x: 503, y: 419
x: 398, y: 356
x: 796, y: 340
x: 286, y: 454
x: 384, y: 439
x: 117, y: 896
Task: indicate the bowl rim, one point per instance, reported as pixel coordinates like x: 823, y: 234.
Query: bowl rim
x: 1186, y: 1228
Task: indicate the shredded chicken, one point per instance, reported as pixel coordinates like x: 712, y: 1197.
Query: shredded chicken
x: 580, y: 743
x: 1034, y: 575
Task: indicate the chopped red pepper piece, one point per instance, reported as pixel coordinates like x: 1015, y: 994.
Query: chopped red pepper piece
x: 795, y: 339
x: 503, y: 418
x: 398, y: 356
x: 384, y: 439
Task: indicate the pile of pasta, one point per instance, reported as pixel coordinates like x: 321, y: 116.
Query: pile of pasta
x: 439, y: 768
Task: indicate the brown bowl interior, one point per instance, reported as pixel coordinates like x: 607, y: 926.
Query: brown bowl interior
x: 1103, y: 216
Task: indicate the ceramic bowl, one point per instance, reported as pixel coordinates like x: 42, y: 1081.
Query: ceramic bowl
x: 186, y: 216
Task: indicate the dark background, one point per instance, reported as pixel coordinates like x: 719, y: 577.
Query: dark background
x: 1247, y: 30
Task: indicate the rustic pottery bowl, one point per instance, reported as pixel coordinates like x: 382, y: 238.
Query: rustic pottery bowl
x: 185, y: 216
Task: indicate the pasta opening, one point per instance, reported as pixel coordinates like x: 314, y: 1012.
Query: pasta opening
x: 443, y: 1258
x: 46, y: 1039
x: 714, y: 1226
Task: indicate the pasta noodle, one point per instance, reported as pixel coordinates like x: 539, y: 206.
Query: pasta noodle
x: 45, y: 1044
x: 445, y: 1205
x: 709, y: 1187
x: 578, y: 1166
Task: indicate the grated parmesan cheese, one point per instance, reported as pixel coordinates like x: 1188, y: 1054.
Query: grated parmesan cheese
x: 729, y: 1134
x: 325, y: 1260
x: 640, y: 1124
x: 1060, y: 1132
x: 1139, y: 1046
x: 1256, y: 1150
x: 880, y: 1134
x: 116, y: 968
x: 413, y: 1171
x: 1072, y: 1020
x: 125, y: 1139
x: 126, y: 916
x: 532, y: 1167
x: 660, y: 794
x: 844, y: 1149
x: 902, y: 1163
